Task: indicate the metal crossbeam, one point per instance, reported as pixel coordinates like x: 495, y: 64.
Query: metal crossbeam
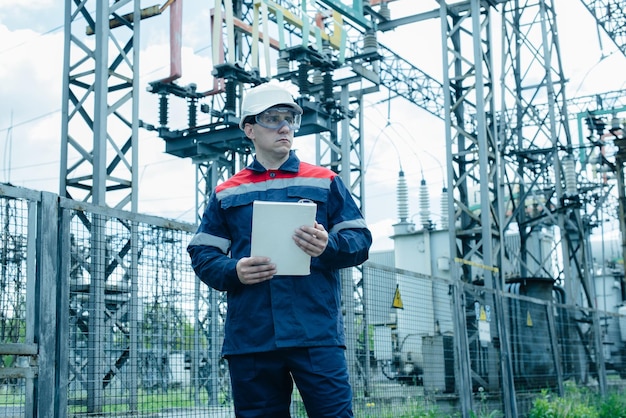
x: 610, y: 15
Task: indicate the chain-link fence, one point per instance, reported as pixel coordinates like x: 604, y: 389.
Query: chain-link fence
x: 102, y: 315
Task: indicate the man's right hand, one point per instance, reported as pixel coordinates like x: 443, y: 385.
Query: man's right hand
x: 252, y: 270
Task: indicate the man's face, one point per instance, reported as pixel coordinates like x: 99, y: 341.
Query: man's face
x: 273, y: 131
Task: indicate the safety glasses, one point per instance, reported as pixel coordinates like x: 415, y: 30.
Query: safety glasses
x: 277, y: 117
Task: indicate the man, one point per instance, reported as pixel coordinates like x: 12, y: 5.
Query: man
x: 281, y: 329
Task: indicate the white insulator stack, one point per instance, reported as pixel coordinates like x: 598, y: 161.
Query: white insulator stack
x: 370, y: 42
x: 424, y: 205
x: 403, y: 198
x: 569, y: 172
x: 282, y: 66
x: 444, y: 208
x: 384, y: 11
x: 318, y: 77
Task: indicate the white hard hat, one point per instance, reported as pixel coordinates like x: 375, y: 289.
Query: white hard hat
x: 262, y: 98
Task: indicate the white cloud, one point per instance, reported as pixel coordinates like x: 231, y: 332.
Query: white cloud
x: 30, y: 91
x: 31, y: 74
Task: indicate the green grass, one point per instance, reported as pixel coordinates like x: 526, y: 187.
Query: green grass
x: 414, y: 409
x: 148, y: 401
x: 576, y: 403
x: 579, y: 403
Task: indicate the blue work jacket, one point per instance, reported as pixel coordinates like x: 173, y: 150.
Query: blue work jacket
x: 286, y: 311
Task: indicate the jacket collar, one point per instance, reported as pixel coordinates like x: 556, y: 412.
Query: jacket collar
x: 291, y: 165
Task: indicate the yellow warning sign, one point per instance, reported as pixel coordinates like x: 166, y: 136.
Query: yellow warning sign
x: 397, y: 299
x: 529, y: 320
x: 483, y: 314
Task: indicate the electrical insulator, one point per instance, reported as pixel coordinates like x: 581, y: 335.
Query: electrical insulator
x: 163, y: 110
x: 370, y: 43
x: 282, y: 66
x: 318, y: 78
x: 384, y: 11
x: 403, y: 198
x: 444, y: 209
x: 328, y: 88
x: 424, y: 205
x: 303, y: 79
x: 569, y: 173
x: 231, y: 96
x: 193, y: 112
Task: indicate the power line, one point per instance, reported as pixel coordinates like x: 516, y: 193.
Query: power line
x: 8, y: 151
x: 12, y: 47
x: 24, y: 122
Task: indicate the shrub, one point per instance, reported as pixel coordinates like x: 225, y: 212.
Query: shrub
x: 578, y: 403
x: 613, y: 406
x: 549, y: 406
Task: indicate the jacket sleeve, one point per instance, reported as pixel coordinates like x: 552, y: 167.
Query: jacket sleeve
x: 349, y: 239
x: 209, y: 249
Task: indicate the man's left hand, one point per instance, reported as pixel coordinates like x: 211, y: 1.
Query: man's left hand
x: 311, y: 239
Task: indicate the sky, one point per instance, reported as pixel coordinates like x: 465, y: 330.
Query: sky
x: 397, y: 134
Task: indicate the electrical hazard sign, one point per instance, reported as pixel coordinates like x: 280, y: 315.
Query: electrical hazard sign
x: 397, y: 299
x: 483, y: 315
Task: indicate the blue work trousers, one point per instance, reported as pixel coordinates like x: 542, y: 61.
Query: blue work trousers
x: 262, y: 383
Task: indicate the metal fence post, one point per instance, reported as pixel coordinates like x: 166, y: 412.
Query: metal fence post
x: 462, y: 365
x: 46, y: 295
x: 349, y: 323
